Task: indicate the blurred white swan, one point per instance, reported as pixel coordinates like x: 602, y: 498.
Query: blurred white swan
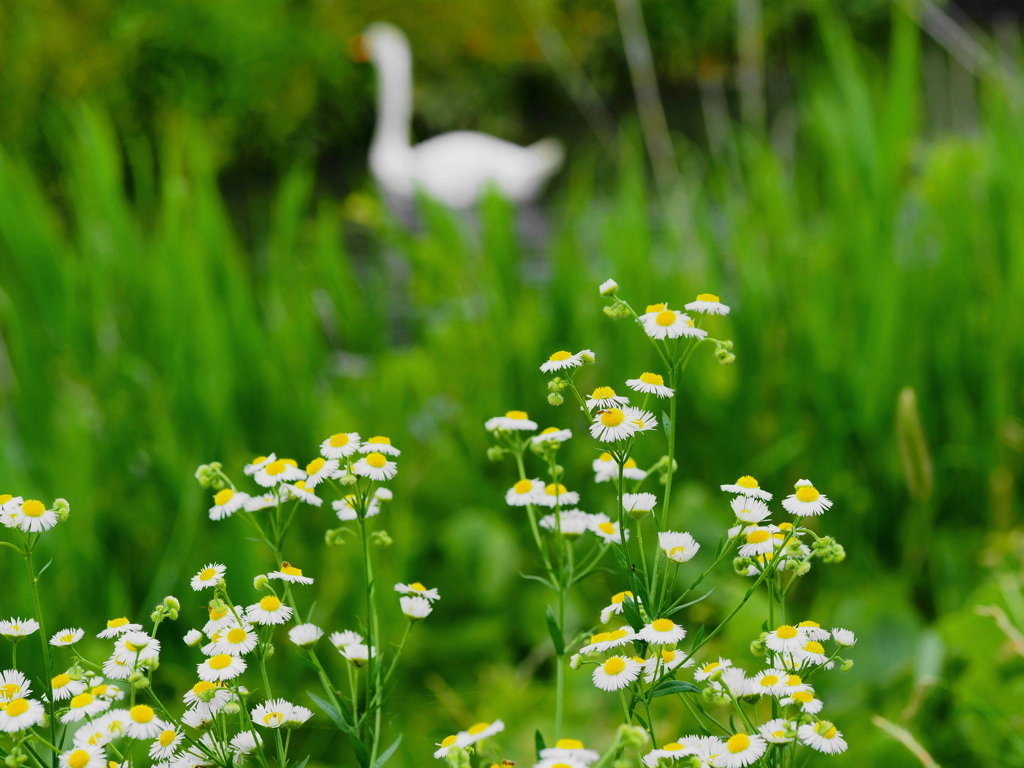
x: 455, y: 168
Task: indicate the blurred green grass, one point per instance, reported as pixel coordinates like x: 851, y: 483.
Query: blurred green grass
x: 144, y: 332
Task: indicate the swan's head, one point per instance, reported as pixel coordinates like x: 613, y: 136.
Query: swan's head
x: 382, y: 43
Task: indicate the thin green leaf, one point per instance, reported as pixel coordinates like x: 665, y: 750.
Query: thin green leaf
x: 632, y: 614
x: 556, y: 633
x: 302, y: 763
x: 538, y: 742
x: 670, y: 687
x: 541, y: 579
x: 678, y: 608
x: 332, y: 713
x: 697, y: 638
x: 43, y: 569
x: 666, y: 424
x: 388, y: 752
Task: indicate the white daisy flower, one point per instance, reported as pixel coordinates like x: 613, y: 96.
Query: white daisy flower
x: 708, y: 304
x: 561, y: 360
x: 119, y: 666
x: 226, y: 502
x: 604, y: 641
x: 13, y: 685
x: 258, y: 463
x: 320, y: 469
x: 93, y: 734
x: 218, y: 620
x: 704, y: 747
x: 806, y: 501
x: 605, y: 468
x: 616, y: 673
x: 84, y: 757
x: 84, y: 705
x: 19, y: 714
x: 650, y: 384
x: 376, y: 467
x: 741, y: 749
x: 305, y: 635
x: 770, y: 682
x: 805, y: 700
x: 64, y: 687
x: 705, y: 671
x: 223, y: 666
x: 552, y: 435
x: 357, y: 653
x: 104, y: 690
x: 340, y: 445
x: 642, y: 420
x: 811, y: 653
x: 341, y: 639
x: 296, y: 716
x: 143, y: 722
x: 570, y: 749
x: 573, y: 522
x: 165, y: 745
x: 639, y: 504
x: 208, y: 697
x: 198, y: 719
x: 379, y: 444
x: 137, y: 645
x: 662, y: 632
x: 669, y: 324
x: 605, y: 397
x: 607, y: 530
x: 208, y: 576
x: 272, y: 714
x: 114, y: 723
x: 10, y: 510
x: 844, y: 637
x: 822, y: 736
x: 813, y: 631
x: 290, y: 573
x: 524, y: 492
x: 300, y: 492
x: 663, y: 663
x: 480, y: 731
x: 607, y: 288
x: 678, y: 546
x: 446, y: 745
x: 68, y: 636
x: 279, y: 471
x: 245, y: 743
x: 264, y: 501
x: 36, y: 517
x: 671, y: 751
x: 512, y: 421
x: 192, y: 638
x: 785, y: 639
x: 346, y: 507
x: 758, y: 541
x: 416, y: 590
x: 777, y: 731
x: 615, y: 607
x: 415, y: 608
x: 747, y: 486
x: 556, y: 494
x: 611, y: 425
x: 15, y: 629
x: 749, y: 509
x: 269, y: 610
x: 236, y: 641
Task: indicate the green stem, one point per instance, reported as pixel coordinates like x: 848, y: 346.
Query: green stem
x: 47, y: 659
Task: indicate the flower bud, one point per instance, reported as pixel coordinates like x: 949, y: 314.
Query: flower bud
x: 348, y: 479
x: 555, y: 399
x: 158, y: 614
x: 334, y: 537
x: 139, y: 683
x: 495, y: 453
x: 803, y: 569
x: 269, y: 651
x: 847, y: 665
x: 193, y: 638
x: 261, y: 583
x: 381, y: 539
x: 574, y: 661
x: 632, y: 735
x: 740, y: 565
x: 759, y: 647
x: 203, y: 475
x: 588, y: 357
x: 231, y: 708
x: 171, y: 603
x: 62, y: 508
x: 724, y: 356
x: 608, y: 288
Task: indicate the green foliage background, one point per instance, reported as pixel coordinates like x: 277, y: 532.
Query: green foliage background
x: 192, y: 268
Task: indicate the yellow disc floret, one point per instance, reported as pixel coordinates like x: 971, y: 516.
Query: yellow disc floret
x: 603, y: 393
x: 663, y: 625
x: 223, y: 497
x: 706, y: 297
x: 807, y: 493
x: 376, y: 460
x: 339, y: 440
x: 612, y: 417
x: 614, y: 665
x: 652, y: 378
x: 665, y: 318
x: 738, y: 742
x: 33, y: 508
x: 560, y: 356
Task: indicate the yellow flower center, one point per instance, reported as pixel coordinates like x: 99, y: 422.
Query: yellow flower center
x: 215, y: 615
x: 569, y: 744
x: 711, y: 666
x: 607, y: 528
x: 549, y: 430
x: 652, y: 378
x: 290, y: 569
x: 16, y: 707
x: 807, y: 493
x: 516, y: 415
x: 630, y: 464
x: 560, y: 356
x: 237, y: 635
x: 339, y: 440
x: 380, y: 440
x: 275, y: 468
x: 747, y: 482
x: 82, y: 700
x: 376, y: 460
x: 789, y: 527
x: 33, y: 508
x: 99, y: 690
x: 614, y: 665
x: 676, y: 551
x: 223, y: 497
x: 207, y: 573
x: 141, y: 713
x: 785, y: 632
x: 315, y: 465
x: 675, y: 746
x: 663, y: 625
x: 706, y: 297
x: 814, y: 647
x: 4, y: 498
x: 272, y: 717
x: 523, y: 487
x: 10, y: 690
x: 202, y: 687
x: 769, y: 680
x: 478, y: 728
x: 738, y: 742
x: 556, y: 489
x: 804, y: 697
x: 417, y: 586
x: 259, y: 459
x: 655, y: 307
x: 449, y: 740
x: 618, y: 597
x: 220, y: 661
x: 794, y: 680
x: 612, y: 417
x: 114, y: 623
x: 270, y: 603
x: 605, y: 457
x: 603, y: 393
x: 78, y: 759
x: 808, y: 623
x: 60, y: 680
x: 666, y: 318
x: 166, y: 738
x: 67, y: 638
x: 667, y: 656
x: 829, y: 732
x: 758, y: 537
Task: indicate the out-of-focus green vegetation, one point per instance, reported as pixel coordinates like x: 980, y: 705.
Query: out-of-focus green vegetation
x: 152, y: 320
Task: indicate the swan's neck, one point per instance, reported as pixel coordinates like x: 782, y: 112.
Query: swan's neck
x: 394, y: 98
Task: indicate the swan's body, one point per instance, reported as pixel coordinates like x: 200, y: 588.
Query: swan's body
x: 455, y: 168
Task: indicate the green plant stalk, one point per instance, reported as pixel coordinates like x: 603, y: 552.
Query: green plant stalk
x: 47, y: 660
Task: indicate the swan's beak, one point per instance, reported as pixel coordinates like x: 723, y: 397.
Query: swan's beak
x: 360, y: 52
